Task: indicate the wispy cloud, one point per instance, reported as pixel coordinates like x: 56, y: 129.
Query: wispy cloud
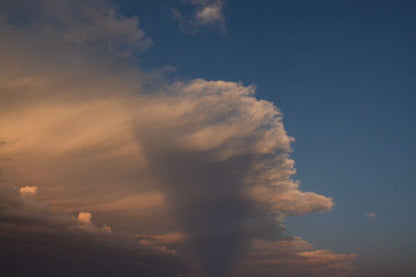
x: 207, y: 13
x: 93, y: 26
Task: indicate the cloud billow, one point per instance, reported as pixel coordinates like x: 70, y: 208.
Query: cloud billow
x: 222, y: 161
x: 197, y: 168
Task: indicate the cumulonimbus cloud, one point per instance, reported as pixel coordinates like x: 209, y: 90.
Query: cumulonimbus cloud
x: 201, y: 165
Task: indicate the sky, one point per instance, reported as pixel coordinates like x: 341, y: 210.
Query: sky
x: 207, y: 138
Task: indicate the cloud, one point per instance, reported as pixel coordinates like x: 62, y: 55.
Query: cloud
x: 201, y: 166
x: 28, y: 190
x: 371, y: 215
x: 92, y: 26
x: 159, y: 241
x: 206, y: 14
x: 84, y: 217
x: 102, y: 29
x: 169, y: 69
x: 50, y: 242
x: 293, y: 257
x: 210, y: 14
x: 169, y: 238
x: 86, y: 224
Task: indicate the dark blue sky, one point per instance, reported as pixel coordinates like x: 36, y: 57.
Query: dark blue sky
x: 343, y: 73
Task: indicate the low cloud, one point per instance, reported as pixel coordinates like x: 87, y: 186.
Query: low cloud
x: 293, y: 257
x: 51, y: 242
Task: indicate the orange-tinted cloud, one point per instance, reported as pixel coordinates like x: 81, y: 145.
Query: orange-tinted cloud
x: 293, y: 257
x: 145, y: 155
x: 28, y: 190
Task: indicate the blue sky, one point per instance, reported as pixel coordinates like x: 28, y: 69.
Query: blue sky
x: 343, y: 73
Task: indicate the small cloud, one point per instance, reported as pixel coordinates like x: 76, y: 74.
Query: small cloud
x: 84, y: 217
x: 86, y: 223
x: 371, y: 215
x: 106, y: 228
x: 169, y: 69
x: 206, y: 13
x: 211, y: 14
x: 28, y: 190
